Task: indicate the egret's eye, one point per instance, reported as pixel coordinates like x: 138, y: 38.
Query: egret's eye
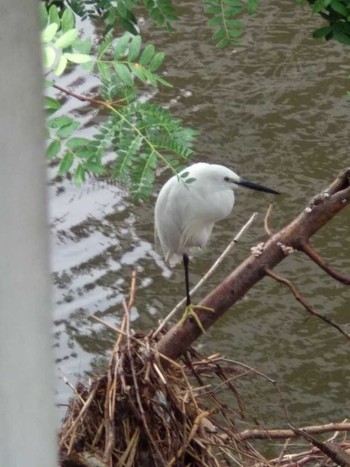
x: 227, y: 179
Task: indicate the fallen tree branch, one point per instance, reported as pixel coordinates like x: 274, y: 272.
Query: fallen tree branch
x: 303, y: 301
x: 317, y: 213
x: 337, y: 455
x: 289, y: 433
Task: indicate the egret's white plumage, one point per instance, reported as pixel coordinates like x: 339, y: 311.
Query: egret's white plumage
x: 185, y: 213
x: 188, y: 206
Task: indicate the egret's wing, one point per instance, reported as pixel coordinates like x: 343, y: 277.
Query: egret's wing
x: 157, y: 244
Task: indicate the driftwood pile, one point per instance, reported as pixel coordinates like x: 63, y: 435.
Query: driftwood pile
x: 151, y: 411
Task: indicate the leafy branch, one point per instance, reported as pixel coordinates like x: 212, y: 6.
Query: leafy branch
x: 122, y: 12
x: 140, y: 135
x: 337, y: 14
x: 225, y: 19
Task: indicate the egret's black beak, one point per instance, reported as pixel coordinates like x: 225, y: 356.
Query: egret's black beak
x: 256, y: 186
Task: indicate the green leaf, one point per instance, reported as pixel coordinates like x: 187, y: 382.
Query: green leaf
x: 67, y: 130
x: 61, y: 65
x: 147, y: 54
x: 322, y: 32
x: 66, y: 163
x: 59, y: 122
x: 339, y: 7
x: 53, y: 149
x: 143, y: 175
x: 82, y: 46
x: 51, y: 103
x: 85, y: 153
x: 138, y: 71
x: 121, y: 46
x: 54, y: 15
x: 129, y: 26
x: 215, y: 21
x: 79, y: 175
x: 134, y: 48
x: 67, y: 20
x: 213, y: 10
x: 164, y: 82
x: 49, y: 56
x: 66, y: 39
x: 94, y: 167
x: 103, y: 48
x: 220, y: 34
x: 104, y: 70
x: 77, y: 142
x: 252, y: 6
x: 223, y: 43
x: 78, y: 58
x: 49, y: 33
x: 151, y: 78
x: 342, y: 38
x: 156, y: 61
x: 123, y: 73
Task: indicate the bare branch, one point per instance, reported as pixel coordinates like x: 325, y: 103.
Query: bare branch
x: 303, y: 301
x: 337, y: 455
x: 306, y: 248
x: 285, y: 434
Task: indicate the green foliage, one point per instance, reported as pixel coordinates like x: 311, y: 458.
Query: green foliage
x: 139, y: 135
x: 225, y: 20
x: 59, y: 37
x: 144, y: 136
x: 337, y: 15
x: 121, y: 12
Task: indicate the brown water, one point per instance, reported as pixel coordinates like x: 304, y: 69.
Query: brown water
x: 275, y: 111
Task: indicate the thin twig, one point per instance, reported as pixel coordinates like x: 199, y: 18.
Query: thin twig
x: 74, y: 389
x: 207, y: 274
x: 81, y: 413
x: 140, y: 342
x: 303, y: 301
x: 137, y: 390
x: 132, y: 290
x: 305, y: 304
x: 85, y: 98
x: 266, y: 221
x: 259, y: 373
x: 306, y: 248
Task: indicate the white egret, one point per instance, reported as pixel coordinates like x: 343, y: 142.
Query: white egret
x: 188, y: 206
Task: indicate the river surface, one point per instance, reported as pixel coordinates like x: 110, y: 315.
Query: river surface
x: 273, y: 109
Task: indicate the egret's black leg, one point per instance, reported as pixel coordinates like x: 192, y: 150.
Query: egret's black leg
x: 190, y: 310
x: 186, y: 261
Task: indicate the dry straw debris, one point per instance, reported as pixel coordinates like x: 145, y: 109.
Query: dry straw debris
x: 150, y: 411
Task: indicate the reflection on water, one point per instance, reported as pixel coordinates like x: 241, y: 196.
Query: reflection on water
x: 274, y: 110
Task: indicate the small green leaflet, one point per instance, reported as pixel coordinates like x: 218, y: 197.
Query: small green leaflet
x: 66, y: 39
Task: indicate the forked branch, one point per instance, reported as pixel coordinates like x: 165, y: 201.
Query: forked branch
x: 303, y: 301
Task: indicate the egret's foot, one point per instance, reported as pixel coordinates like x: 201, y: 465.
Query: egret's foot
x: 190, y: 312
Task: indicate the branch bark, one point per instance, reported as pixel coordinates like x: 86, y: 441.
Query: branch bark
x: 289, y: 433
x: 317, y: 213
